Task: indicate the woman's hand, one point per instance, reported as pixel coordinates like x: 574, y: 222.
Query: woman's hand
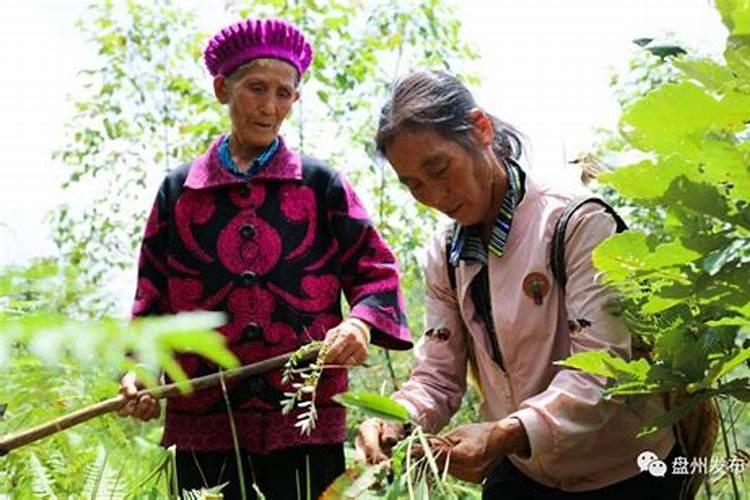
x: 476, y: 448
x: 347, y: 343
x: 144, y: 407
x: 375, y: 438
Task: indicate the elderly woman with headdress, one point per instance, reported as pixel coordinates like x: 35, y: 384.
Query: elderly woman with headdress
x: 271, y: 238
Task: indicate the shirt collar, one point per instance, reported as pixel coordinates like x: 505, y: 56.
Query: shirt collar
x: 257, y: 165
x: 466, y: 241
x: 207, y: 170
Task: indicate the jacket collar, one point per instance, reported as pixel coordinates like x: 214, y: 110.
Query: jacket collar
x: 207, y: 171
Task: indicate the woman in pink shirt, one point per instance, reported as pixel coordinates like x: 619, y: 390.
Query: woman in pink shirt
x: 494, y: 308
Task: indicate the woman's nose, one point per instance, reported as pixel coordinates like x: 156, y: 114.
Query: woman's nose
x: 267, y: 105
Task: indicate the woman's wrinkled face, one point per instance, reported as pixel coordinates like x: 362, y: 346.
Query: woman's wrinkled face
x: 259, y: 100
x: 442, y: 174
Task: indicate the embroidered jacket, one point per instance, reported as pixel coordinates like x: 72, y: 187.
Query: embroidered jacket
x: 275, y: 252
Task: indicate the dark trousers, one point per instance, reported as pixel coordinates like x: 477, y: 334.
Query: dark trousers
x: 278, y: 474
x: 506, y: 482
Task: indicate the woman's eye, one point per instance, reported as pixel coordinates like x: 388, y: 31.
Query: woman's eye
x: 442, y: 170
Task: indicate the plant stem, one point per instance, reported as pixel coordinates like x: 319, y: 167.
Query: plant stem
x: 728, y: 453
x: 235, y: 441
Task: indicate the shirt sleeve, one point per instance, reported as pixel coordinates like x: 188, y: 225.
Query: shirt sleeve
x: 370, y: 276
x: 561, y: 417
x: 437, y: 383
x: 151, y: 290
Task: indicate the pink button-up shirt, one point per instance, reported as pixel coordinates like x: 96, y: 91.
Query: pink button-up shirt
x: 579, y: 441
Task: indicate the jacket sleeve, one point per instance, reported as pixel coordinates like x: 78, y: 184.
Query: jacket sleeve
x: 151, y: 290
x: 370, y: 276
x: 572, y: 406
x: 437, y: 383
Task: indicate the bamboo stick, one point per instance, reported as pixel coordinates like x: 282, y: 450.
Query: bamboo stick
x: 22, y: 438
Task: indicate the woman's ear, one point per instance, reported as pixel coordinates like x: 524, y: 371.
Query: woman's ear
x: 220, y: 89
x: 483, y: 128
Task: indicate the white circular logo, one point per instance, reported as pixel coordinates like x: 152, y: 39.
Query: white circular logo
x: 657, y: 468
x: 645, y: 458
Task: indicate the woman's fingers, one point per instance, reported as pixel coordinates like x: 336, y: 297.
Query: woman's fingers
x: 144, y: 407
x: 346, y: 346
x: 368, y: 442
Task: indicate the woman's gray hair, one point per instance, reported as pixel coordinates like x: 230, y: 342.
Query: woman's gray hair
x: 438, y: 101
x: 240, y: 71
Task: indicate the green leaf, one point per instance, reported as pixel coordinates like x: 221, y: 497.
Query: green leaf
x: 657, y: 303
x: 732, y: 363
x: 684, y: 352
x: 209, y: 344
x: 707, y: 72
x: 736, y: 16
x: 674, y: 415
x: 722, y: 163
x: 374, y: 405
x: 629, y: 180
x: 604, y: 364
x: 621, y: 255
x: 672, y: 118
x: 668, y: 255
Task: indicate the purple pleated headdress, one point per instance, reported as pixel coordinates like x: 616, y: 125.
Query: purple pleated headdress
x: 250, y: 39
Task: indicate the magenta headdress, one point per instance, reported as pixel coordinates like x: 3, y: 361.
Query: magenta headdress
x: 250, y: 39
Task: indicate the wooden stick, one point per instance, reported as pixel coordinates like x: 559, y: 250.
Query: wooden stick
x: 28, y: 436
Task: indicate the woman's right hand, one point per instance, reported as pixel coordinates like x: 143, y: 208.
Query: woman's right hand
x: 375, y: 438
x: 144, y: 407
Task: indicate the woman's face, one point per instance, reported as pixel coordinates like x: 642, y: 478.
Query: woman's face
x: 259, y: 100
x: 442, y: 174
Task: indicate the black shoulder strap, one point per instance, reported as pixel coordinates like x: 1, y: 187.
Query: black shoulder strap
x: 451, y: 269
x: 557, y: 253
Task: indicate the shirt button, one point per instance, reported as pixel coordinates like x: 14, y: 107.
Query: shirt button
x: 253, y: 331
x: 249, y: 278
x: 247, y: 231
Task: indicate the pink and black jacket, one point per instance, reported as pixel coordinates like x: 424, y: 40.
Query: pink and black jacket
x: 275, y: 253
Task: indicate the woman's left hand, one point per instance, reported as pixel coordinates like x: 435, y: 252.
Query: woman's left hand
x: 476, y: 448
x: 348, y: 343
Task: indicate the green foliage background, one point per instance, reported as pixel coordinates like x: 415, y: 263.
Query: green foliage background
x: 146, y: 106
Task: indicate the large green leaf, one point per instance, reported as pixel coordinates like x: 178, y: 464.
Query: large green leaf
x: 684, y: 352
x: 673, y: 118
x: 374, y: 405
x: 670, y: 254
x: 703, y: 199
x: 606, y: 365
x: 736, y: 16
x: 624, y: 254
x: 629, y: 180
x: 732, y: 363
x: 707, y: 72
x: 723, y: 164
x: 621, y: 255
